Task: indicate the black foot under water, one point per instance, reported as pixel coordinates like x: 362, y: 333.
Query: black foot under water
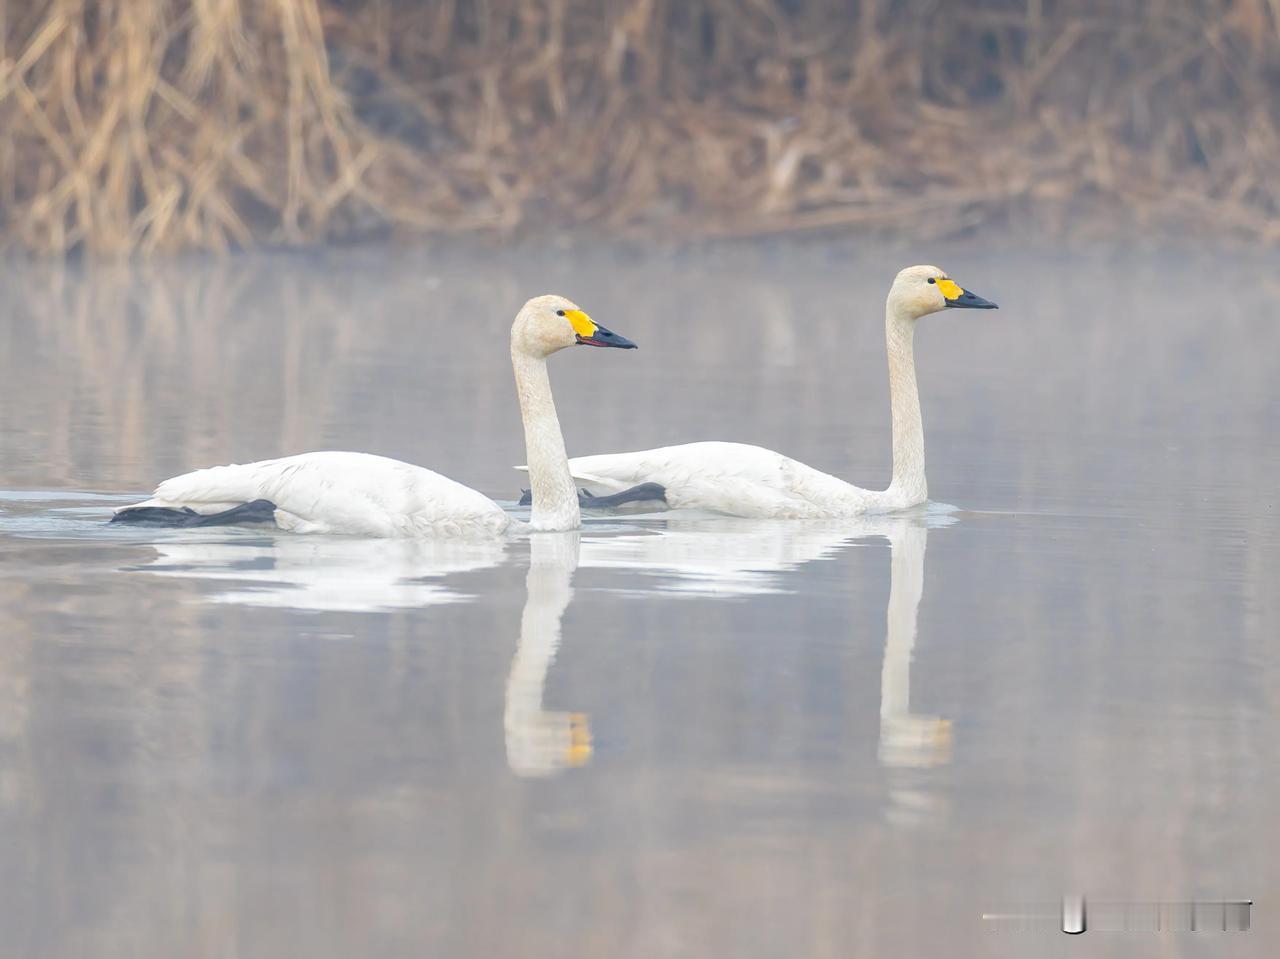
x: 259, y: 511
x: 644, y: 493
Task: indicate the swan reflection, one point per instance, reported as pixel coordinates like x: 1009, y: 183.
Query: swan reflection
x: 909, y: 741
x: 684, y: 554
x: 541, y: 742
x: 726, y: 556
x: 706, y: 555
x: 906, y: 738
x: 327, y: 574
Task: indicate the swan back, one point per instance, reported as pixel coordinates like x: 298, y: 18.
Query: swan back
x: 341, y: 492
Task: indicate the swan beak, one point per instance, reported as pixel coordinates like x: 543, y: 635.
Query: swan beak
x: 603, y: 337
x: 579, y: 752
x: 963, y: 299
x: 590, y: 333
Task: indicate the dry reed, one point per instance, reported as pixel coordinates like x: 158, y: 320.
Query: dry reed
x: 159, y: 125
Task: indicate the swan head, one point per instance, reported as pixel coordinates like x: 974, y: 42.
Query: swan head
x: 920, y: 290
x: 547, y: 324
x: 546, y: 742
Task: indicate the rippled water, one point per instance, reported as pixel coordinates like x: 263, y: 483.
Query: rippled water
x: 668, y: 735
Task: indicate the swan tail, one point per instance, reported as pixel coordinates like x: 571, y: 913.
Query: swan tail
x: 610, y: 473
x: 258, y: 511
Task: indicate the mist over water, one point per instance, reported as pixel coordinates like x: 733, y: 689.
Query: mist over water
x: 668, y: 735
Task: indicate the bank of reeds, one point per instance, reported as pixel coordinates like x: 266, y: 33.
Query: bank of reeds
x: 160, y: 125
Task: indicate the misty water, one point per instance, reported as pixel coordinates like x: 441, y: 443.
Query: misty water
x: 671, y: 734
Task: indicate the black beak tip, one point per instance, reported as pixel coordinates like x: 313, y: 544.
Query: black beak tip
x: 605, y: 337
x: 972, y: 301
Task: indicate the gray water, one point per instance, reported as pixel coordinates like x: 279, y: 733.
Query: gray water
x: 670, y: 735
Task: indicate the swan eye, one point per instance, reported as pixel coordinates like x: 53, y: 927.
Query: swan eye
x: 932, y: 280
x: 561, y: 312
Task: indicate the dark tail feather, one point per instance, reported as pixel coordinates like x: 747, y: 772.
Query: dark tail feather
x: 259, y: 511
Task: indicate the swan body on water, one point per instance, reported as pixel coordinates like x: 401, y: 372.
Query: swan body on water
x: 362, y: 494
x: 751, y: 481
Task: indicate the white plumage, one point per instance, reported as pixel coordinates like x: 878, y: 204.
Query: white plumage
x: 338, y: 492
x: 366, y: 495
x: 732, y: 478
x: 750, y: 481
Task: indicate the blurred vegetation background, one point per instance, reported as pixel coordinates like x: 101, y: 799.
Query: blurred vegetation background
x: 162, y: 125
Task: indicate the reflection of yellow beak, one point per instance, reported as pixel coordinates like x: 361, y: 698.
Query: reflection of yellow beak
x: 579, y: 751
x: 942, y: 736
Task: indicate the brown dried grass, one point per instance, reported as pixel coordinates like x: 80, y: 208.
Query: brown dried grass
x: 159, y: 125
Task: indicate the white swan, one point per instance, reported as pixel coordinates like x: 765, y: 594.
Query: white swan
x: 358, y: 493
x: 750, y: 481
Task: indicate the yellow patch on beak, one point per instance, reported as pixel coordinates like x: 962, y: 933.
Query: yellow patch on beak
x: 950, y: 289
x: 583, y: 325
x: 942, y: 734
x: 579, y: 751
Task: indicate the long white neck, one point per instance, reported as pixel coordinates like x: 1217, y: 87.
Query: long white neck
x: 908, y: 485
x: 555, y: 499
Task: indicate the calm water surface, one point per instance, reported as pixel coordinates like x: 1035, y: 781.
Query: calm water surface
x: 669, y: 735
